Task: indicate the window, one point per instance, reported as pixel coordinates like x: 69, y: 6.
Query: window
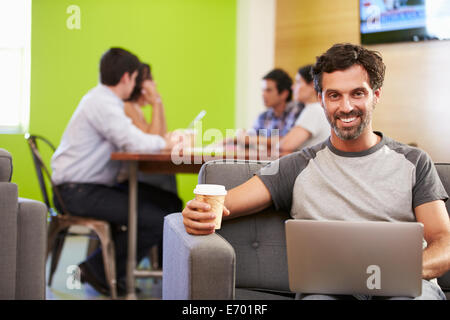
x: 15, y: 38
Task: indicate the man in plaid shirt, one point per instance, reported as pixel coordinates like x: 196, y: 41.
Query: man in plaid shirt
x: 282, y: 111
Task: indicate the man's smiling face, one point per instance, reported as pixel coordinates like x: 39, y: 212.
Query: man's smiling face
x: 348, y: 101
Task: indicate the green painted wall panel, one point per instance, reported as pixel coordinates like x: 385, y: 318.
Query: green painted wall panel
x: 190, y: 44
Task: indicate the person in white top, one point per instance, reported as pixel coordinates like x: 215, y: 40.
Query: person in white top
x: 145, y: 94
x: 87, y: 178
x: 311, y: 127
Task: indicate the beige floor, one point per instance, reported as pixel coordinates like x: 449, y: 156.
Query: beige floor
x: 65, y: 288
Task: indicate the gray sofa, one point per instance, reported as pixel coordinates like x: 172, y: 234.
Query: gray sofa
x: 246, y: 259
x: 23, y: 236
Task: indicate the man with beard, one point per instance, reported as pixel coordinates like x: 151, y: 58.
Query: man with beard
x: 355, y: 175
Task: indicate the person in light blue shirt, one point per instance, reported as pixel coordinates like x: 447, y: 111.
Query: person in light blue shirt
x: 86, y: 176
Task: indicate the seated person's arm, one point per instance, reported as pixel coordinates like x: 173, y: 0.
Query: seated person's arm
x: 137, y: 117
x: 294, y: 138
x: 436, y: 257
x: 250, y: 197
x: 158, y: 124
x: 151, y: 96
x: 156, y: 127
x: 252, y: 140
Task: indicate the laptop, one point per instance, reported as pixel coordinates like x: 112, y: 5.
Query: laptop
x: 343, y: 257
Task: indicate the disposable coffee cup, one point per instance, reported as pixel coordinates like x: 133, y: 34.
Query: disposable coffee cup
x: 214, y: 195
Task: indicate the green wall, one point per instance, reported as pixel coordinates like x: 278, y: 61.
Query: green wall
x: 190, y: 44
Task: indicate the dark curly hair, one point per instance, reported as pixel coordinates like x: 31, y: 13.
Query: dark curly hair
x: 306, y: 73
x: 283, y: 81
x: 144, y: 73
x: 342, y: 56
x: 115, y: 63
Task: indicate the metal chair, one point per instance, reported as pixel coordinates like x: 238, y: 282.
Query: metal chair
x: 59, y: 222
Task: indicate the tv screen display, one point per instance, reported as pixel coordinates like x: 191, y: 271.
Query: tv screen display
x: 383, y: 21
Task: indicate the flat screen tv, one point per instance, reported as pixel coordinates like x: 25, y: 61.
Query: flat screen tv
x: 384, y: 21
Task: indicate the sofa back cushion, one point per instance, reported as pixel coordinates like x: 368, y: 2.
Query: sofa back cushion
x: 258, y: 239
x: 5, y: 166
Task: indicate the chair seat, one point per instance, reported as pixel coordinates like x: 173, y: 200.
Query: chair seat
x: 82, y: 221
x: 59, y: 225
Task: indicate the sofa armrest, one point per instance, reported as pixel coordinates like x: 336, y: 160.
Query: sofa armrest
x: 8, y: 240
x: 31, y: 249
x: 196, y: 267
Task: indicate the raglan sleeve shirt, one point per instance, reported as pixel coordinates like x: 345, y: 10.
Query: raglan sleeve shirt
x: 115, y: 127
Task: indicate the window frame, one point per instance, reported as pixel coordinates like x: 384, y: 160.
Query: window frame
x: 24, y: 54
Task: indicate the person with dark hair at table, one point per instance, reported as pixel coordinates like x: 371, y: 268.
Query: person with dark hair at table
x: 86, y: 176
x: 281, y: 112
x: 146, y: 94
x: 280, y: 116
x: 311, y: 126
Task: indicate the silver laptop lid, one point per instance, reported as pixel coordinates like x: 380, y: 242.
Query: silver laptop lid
x: 342, y: 257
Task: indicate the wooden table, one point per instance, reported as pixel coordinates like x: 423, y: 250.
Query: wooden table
x: 167, y: 162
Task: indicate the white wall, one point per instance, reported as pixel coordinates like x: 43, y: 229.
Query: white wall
x: 255, y: 56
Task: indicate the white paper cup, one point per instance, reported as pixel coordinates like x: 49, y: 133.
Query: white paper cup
x: 214, y: 195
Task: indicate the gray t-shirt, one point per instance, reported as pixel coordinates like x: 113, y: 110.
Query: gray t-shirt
x: 383, y: 183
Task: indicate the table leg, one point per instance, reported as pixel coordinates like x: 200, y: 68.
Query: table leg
x: 132, y: 229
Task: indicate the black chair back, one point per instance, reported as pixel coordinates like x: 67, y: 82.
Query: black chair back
x: 43, y: 172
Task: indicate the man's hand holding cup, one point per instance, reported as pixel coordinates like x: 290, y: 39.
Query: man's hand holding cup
x: 203, y: 215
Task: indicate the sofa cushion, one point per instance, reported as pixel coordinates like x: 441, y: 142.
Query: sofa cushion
x: 5, y: 166
x: 260, y: 245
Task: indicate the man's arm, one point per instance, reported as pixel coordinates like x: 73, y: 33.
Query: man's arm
x: 251, y: 141
x: 294, y: 139
x: 249, y: 197
x: 436, y: 257
x: 137, y: 117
